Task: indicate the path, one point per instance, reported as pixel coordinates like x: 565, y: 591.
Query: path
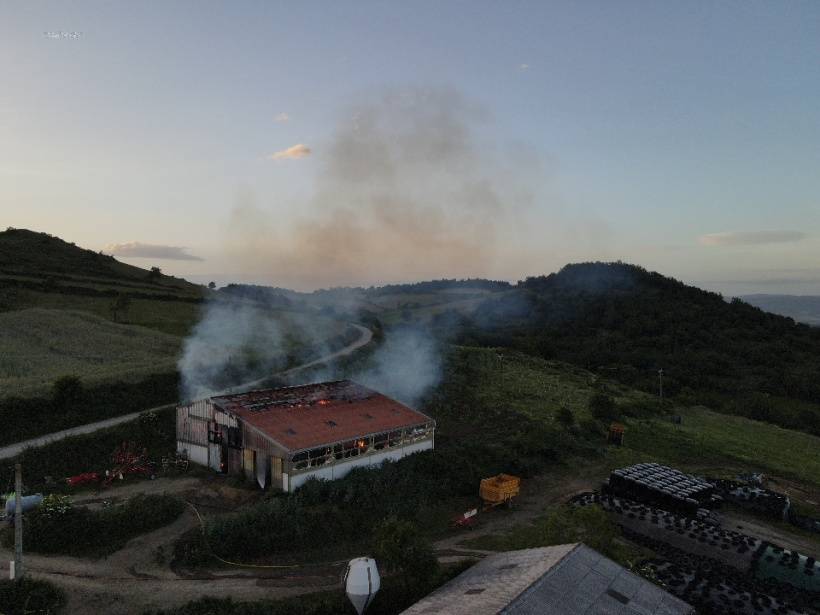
x: 13, y: 450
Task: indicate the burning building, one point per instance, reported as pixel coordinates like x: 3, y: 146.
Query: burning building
x: 285, y: 436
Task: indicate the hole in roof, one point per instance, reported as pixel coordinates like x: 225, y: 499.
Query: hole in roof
x: 394, y: 411
x: 370, y: 417
x: 331, y: 424
x: 472, y: 592
x: 507, y: 566
x: 290, y: 432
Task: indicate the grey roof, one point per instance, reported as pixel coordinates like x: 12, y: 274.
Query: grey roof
x: 566, y: 579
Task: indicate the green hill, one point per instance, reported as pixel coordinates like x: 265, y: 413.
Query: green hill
x: 626, y: 323
x: 38, y: 270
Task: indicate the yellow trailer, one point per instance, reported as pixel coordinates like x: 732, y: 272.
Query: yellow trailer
x: 501, y: 489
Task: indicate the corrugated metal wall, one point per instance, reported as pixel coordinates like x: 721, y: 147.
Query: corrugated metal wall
x: 192, y: 422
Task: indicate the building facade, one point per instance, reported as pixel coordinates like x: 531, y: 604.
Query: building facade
x: 284, y: 436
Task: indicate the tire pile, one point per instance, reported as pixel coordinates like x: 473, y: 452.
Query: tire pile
x: 717, y: 571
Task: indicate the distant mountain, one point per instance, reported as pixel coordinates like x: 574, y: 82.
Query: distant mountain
x: 624, y: 322
x: 801, y: 308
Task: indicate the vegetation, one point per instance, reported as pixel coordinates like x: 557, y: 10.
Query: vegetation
x: 60, y: 529
x: 39, y: 346
x: 399, y: 546
x: 626, y: 323
x: 28, y: 595
x: 45, y: 468
x: 26, y: 418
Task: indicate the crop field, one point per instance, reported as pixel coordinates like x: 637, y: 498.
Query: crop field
x: 37, y: 346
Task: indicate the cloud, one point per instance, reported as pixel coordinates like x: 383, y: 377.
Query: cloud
x: 283, y: 117
x: 135, y: 249
x: 297, y: 151
x: 524, y: 66
x: 749, y: 238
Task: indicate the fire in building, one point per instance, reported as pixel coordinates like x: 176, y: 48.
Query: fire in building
x: 285, y: 436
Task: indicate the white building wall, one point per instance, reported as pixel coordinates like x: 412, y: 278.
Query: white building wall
x: 340, y: 469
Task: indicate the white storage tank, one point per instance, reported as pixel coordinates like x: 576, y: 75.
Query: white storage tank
x: 362, y: 581
x: 27, y: 502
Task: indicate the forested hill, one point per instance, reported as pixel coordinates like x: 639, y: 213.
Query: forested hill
x: 627, y: 323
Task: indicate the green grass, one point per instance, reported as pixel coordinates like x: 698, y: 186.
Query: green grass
x: 706, y: 438
x: 38, y: 346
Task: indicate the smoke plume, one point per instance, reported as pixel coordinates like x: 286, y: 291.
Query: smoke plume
x: 405, y: 190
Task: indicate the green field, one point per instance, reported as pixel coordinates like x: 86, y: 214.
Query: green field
x: 726, y: 443
x: 37, y: 346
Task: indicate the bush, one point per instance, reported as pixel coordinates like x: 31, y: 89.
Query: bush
x: 30, y: 596
x: 603, y: 408
x: 79, y: 531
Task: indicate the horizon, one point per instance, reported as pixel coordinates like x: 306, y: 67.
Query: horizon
x: 373, y: 143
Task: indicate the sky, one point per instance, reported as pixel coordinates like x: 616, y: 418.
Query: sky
x: 317, y: 144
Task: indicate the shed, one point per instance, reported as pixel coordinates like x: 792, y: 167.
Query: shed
x: 284, y: 436
x: 569, y: 579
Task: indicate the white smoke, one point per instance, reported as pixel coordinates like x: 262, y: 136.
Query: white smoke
x: 235, y: 343
x: 405, y: 367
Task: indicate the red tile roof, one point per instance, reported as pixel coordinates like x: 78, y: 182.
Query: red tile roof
x: 313, y: 415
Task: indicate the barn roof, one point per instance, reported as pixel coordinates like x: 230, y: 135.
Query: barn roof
x: 569, y: 579
x: 314, y: 415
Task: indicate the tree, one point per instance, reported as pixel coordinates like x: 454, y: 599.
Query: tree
x: 400, y: 547
x: 588, y: 524
x: 120, y: 305
x: 154, y: 274
x: 603, y: 408
x: 67, y: 390
x: 565, y: 416
x: 212, y: 285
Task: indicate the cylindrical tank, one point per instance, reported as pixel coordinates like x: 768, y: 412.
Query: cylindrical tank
x: 362, y: 581
x: 27, y: 501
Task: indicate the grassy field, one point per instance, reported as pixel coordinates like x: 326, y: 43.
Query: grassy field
x: 172, y: 317
x: 37, y: 346
x: 725, y: 443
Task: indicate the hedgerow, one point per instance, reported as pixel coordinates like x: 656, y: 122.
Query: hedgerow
x: 82, y: 532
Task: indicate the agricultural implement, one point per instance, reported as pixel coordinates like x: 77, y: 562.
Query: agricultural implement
x: 126, y: 461
x: 467, y: 519
x: 501, y: 489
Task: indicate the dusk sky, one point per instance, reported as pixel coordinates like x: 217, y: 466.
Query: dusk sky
x: 357, y: 143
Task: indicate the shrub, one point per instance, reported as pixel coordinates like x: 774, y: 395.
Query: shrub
x: 59, y: 528
x: 30, y: 596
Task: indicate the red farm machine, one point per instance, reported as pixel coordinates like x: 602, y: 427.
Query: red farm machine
x: 124, y: 460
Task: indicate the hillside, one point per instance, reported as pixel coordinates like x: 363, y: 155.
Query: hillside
x: 38, y: 270
x: 626, y: 323
x: 37, y: 346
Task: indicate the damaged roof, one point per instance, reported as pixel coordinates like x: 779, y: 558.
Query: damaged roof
x: 313, y: 415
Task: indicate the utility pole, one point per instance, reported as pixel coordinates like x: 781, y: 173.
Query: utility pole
x: 660, y: 380
x: 18, y: 522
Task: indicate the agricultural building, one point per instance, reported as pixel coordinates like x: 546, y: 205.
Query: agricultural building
x: 285, y: 436
x: 571, y: 579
